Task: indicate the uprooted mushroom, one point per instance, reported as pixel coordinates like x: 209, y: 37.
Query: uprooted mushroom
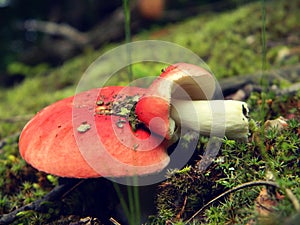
x: 63, y: 139
x: 125, y: 131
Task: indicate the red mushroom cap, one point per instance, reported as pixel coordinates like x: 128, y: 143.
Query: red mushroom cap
x: 178, y: 81
x: 80, y: 137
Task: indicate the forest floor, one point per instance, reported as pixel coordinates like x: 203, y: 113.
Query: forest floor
x: 260, y: 179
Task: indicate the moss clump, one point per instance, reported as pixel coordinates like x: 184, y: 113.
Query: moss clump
x: 276, y: 152
x: 230, y: 43
x: 183, y: 192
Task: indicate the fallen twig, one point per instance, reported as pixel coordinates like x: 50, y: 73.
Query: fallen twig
x: 232, y: 84
x: 52, y: 28
x: 293, y: 199
x: 237, y: 188
x: 115, y: 222
x: 178, y: 216
x: 55, y: 194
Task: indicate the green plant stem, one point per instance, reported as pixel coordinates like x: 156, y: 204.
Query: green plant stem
x: 131, y: 205
x: 132, y: 209
x: 263, y: 82
x: 136, y: 199
x: 264, y: 36
x: 133, y: 201
x: 128, y: 37
x: 122, y: 200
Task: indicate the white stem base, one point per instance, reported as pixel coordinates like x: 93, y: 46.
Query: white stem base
x: 216, y: 117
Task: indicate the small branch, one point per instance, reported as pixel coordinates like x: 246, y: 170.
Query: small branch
x: 38, y: 205
x: 293, y: 199
x: 52, y: 28
x: 114, y: 221
x: 178, y: 216
x: 289, y: 90
x: 232, y: 84
x: 237, y: 188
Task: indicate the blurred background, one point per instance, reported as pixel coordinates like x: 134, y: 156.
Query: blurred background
x: 37, y: 35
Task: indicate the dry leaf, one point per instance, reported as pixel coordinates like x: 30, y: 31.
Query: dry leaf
x: 279, y: 124
x: 264, y: 203
x: 264, y: 206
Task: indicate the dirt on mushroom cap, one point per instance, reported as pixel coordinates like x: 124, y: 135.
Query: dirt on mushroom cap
x: 51, y: 141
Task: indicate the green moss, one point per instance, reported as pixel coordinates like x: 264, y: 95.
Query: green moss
x: 230, y: 43
x: 237, y: 163
x: 28, y: 71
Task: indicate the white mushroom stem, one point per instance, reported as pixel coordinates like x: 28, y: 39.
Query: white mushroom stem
x: 216, y: 117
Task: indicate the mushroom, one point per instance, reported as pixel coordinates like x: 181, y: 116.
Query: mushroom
x: 90, y: 135
x: 94, y: 133
x: 181, y: 97
x: 98, y: 133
